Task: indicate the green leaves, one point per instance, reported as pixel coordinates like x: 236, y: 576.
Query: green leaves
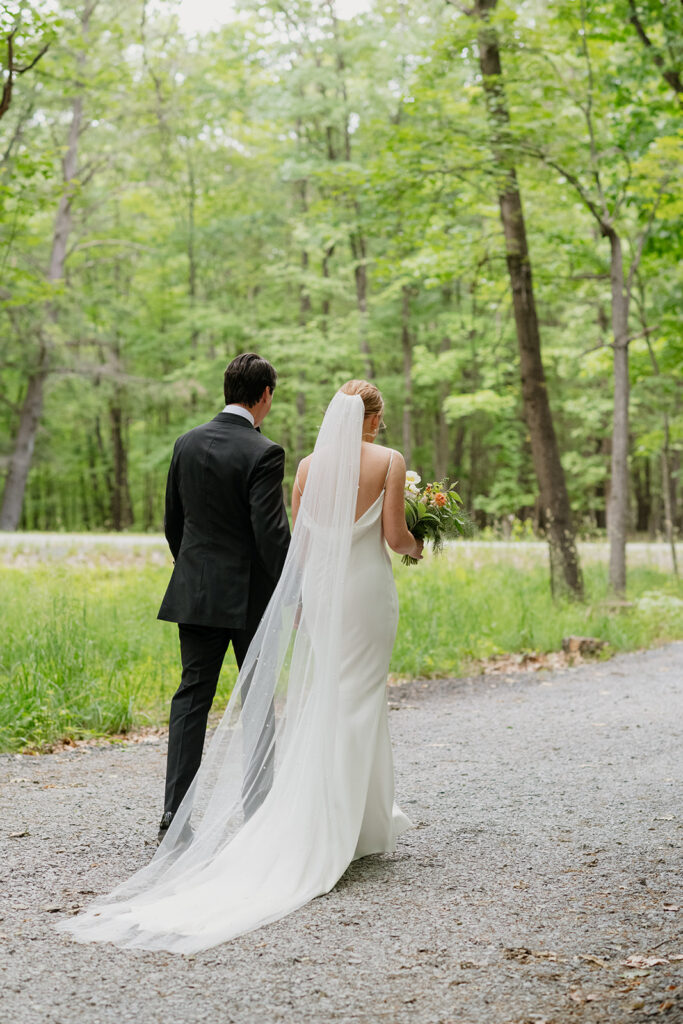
x: 486, y: 401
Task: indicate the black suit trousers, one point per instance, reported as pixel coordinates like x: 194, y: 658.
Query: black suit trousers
x: 202, y: 651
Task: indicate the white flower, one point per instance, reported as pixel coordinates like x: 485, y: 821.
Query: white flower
x: 412, y: 488
x: 412, y: 478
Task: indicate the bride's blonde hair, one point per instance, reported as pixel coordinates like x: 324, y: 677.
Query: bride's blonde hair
x: 372, y: 399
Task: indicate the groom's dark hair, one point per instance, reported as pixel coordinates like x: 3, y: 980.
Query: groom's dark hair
x: 246, y: 378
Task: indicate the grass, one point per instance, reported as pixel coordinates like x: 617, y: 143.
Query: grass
x: 82, y: 653
x: 455, y: 614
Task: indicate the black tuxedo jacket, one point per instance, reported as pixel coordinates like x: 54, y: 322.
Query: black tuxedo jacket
x: 225, y: 523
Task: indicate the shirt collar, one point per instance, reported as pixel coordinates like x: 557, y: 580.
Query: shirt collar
x: 239, y: 410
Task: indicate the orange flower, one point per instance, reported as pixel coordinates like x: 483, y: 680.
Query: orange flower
x: 440, y: 499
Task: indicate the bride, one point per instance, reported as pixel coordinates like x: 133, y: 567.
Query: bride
x: 305, y: 737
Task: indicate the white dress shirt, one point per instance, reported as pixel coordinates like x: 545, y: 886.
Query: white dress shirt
x: 239, y: 410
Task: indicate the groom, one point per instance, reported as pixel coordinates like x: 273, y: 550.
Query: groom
x: 227, y: 528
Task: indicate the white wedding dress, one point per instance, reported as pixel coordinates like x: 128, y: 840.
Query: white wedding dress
x: 365, y: 763
x: 318, y: 668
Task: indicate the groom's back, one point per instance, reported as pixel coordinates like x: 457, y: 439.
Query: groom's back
x: 225, y: 523
x: 213, y: 463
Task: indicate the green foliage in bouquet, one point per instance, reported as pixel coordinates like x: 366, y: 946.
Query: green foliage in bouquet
x: 434, y: 513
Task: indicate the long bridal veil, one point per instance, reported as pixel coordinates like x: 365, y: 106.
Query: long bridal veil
x: 257, y: 834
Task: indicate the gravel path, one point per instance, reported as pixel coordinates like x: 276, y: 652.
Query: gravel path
x: 547, y: 853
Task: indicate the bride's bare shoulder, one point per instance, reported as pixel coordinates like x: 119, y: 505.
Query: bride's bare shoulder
x: 388, y: 453
x: 302, y: 471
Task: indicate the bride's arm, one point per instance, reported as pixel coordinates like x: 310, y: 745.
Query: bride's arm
x: 299, y: 484
x: 396, y: 533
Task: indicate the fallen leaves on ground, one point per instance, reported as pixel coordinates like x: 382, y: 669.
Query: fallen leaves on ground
x: 526, y: 956
x: 636, y: 960
x: 590, y: 959
x: 577, y: 996
x: 575, y: 650
x: 526, y: 661
x: 583, y: 645
x: 142, y: 735
x: 665, y: 1006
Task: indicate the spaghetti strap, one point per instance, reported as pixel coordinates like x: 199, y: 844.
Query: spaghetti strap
x: 391, y: 459
x: 296, y: 481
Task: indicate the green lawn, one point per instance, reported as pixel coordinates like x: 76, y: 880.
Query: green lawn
x: 82, y: 653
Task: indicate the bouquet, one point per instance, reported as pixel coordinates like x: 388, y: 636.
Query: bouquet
x: 433, y: 513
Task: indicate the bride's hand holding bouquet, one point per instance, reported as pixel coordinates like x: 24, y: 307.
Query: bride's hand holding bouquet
x: 433, y: 512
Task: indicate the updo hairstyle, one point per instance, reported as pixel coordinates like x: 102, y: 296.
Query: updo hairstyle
x: 372, y: 399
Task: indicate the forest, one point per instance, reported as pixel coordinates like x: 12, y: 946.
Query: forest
x: 475, y: 204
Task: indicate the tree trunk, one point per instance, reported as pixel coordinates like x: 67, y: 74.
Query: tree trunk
x: 304, y: 296
x: 442, y: 436
x: 459, y: 448
x: 326, y: 305
x: 149, y: 491
x: 407, y: 349
x: 191, y: 253
x: 668, y: 493
x: 441, y: 446
x: 675, y: 464
x: 100, y: 461
x: 418, y: 448
x: 32, y: 408
x: 304, y: 317
x: 360, y: 274
x: 668, y: 487
x: 565, y: 571
x: 617, y: 509
x: 24, y: 442
x: 121, y: 506
x: 356, y: 238
x: 470, y: 476
x: 643, y: 494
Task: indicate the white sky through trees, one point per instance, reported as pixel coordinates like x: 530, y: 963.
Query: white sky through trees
x: 203, y: 15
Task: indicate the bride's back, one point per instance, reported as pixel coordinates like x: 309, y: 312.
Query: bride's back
x: 374, y: 465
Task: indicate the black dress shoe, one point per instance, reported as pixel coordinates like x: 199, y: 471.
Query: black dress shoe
x: 186, y: 833
x: 166, y: 819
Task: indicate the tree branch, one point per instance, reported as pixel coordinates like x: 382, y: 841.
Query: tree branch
x: 112, y: 241
x: 643, y: 237
x: 671, y: 77
x: 644, y: 333
x: 595, y: 348
x: 6, y: 98
x: 469, y: 11
x: 13, y: 70
x: 27, y: 67
x: 588, y: 110
x: 604, y: 222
